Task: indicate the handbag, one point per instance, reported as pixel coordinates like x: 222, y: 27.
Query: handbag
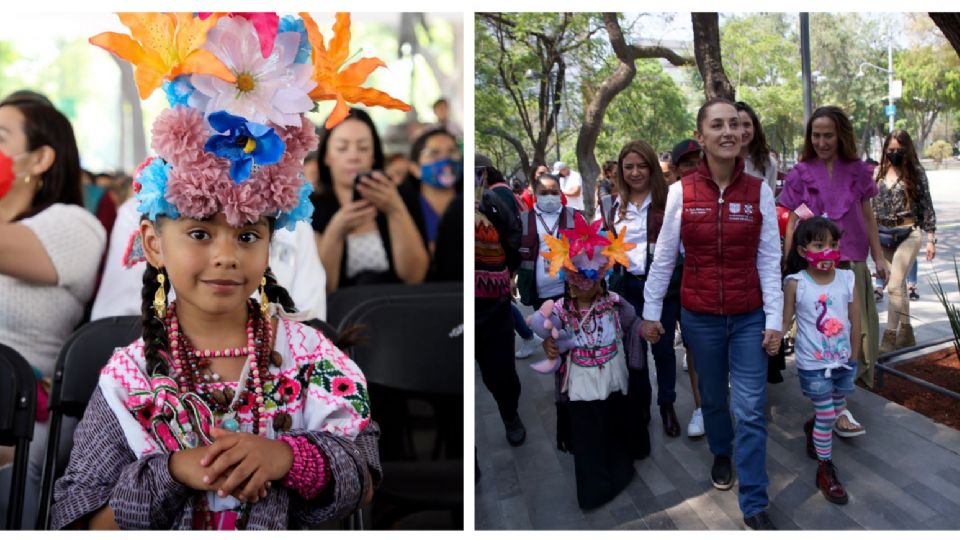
x: 891, y: 237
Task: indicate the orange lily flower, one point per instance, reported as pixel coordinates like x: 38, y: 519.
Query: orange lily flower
x: 334, y: 81
x: 558, y: 255
x: 616, y: 252
x: 163, y: 46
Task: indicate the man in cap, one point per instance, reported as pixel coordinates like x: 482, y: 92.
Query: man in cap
x: 686, y: 157
x: 571, y: 185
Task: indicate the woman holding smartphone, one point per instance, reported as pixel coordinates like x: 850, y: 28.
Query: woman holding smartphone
x: 374, y: 238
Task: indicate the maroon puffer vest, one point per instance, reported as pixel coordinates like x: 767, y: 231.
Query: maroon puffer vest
x: 721, y: 236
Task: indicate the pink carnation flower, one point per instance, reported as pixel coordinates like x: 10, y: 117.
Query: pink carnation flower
x: 280, y: 185
x: 179, y: 134
x: 242, y: 204
x: 196, y: 190
x: 298, y: 140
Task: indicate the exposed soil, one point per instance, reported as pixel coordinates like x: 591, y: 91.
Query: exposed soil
x: 941, y: 368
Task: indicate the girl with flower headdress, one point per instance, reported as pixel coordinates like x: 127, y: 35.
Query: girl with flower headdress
x: 227, y: 413
x: 592, y: 382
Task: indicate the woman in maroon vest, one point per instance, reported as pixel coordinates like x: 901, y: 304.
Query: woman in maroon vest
x: 730, y: 297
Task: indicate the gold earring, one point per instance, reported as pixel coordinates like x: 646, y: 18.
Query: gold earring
x: 27, y: 179
x: 160, y: 298
x: 263, y: 296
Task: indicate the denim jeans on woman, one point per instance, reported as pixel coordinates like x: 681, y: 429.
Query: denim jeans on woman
x: 732, y: 346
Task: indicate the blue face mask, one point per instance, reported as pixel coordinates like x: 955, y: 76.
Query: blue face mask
x: 441, y: 174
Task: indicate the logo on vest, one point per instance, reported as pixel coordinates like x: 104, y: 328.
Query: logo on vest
x: 741, y: 213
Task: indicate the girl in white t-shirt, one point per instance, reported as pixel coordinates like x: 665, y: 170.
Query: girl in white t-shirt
x: 822, y: 297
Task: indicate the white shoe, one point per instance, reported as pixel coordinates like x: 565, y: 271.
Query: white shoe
x: 677, y: 339
x: 684, y: 363
x: 529, y: 346
x: 695, y: 427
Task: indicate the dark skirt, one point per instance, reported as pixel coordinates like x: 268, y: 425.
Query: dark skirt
x: 598, y: 439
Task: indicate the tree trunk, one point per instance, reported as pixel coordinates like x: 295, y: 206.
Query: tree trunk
x: 706, y: 48
x: 594, y: 112
x: 515, y: 143
x: 949, y: 24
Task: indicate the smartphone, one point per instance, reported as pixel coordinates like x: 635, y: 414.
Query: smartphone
x: 356, y: 184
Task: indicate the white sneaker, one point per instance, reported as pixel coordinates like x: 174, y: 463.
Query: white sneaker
x: 677, y: 339
x: 684, y: 362
x: 695, y: 427
x: 529, y: 346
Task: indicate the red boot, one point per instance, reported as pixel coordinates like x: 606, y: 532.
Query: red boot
x: 829, y: 484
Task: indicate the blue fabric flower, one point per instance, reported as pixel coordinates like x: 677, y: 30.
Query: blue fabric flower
x: 244, y: 144
x: 289, y: 23
x: 302, y: 212
x: 178, y: 90
x: 153, y: 187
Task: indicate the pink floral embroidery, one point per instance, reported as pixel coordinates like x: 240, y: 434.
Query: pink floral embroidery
x: 288, y: 390
x: 342, y: 386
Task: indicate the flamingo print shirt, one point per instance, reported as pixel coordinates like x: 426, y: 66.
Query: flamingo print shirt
x: 823, y: 324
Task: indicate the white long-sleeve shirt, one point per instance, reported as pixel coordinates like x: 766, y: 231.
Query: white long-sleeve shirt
x: 768, y: 258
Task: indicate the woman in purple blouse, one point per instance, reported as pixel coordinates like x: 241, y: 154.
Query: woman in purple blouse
x: 830, y: 180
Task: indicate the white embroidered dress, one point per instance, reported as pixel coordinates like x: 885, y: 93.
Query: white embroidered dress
x: 316, y: 384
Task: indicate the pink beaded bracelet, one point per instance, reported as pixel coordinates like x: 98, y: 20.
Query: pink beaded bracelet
x: 309, y: 474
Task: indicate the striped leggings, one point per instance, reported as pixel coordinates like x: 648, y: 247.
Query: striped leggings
x: 827, y: 409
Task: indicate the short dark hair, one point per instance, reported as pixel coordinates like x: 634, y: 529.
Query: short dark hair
x: 538, y: 181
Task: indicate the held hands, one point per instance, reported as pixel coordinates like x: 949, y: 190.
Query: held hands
x: 651, y: 331
x: 244, y: 460
x: 239, y: 464
x: 771, y: 341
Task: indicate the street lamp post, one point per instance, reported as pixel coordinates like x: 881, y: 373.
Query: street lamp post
x: 891, y: 108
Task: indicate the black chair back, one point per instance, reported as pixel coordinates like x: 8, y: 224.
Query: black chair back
x: 74, y: 380
x: 414, y: 334
x: 413, y: 344
x: 18, y: 410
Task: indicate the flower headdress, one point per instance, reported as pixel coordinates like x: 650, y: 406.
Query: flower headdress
x: 582, y: 255
x: 238, y: 84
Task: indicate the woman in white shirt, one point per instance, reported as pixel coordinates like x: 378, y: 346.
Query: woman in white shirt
x: 756, y: 154
x: 50, y: 248
x: 643, y: 195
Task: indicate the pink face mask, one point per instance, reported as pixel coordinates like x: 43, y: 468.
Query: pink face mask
x: 823, y: 260
x: 6, y: 173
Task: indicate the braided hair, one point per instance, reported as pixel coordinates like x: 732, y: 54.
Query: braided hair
x: 155, y: 343
x: 276, y: 293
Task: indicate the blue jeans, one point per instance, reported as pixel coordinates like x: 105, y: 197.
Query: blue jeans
x: 519, y: 324
x: 732, y: 345
x: 664, y: 355
x: 814, y: 384
x: 912, y: 276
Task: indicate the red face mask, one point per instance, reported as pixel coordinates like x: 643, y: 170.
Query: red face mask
x: 823, y: 260
x: 6, y: 173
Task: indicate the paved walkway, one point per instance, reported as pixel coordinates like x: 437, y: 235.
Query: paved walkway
x: 904, y: 474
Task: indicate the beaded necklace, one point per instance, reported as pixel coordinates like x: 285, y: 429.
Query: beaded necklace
x: 191, y: 369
